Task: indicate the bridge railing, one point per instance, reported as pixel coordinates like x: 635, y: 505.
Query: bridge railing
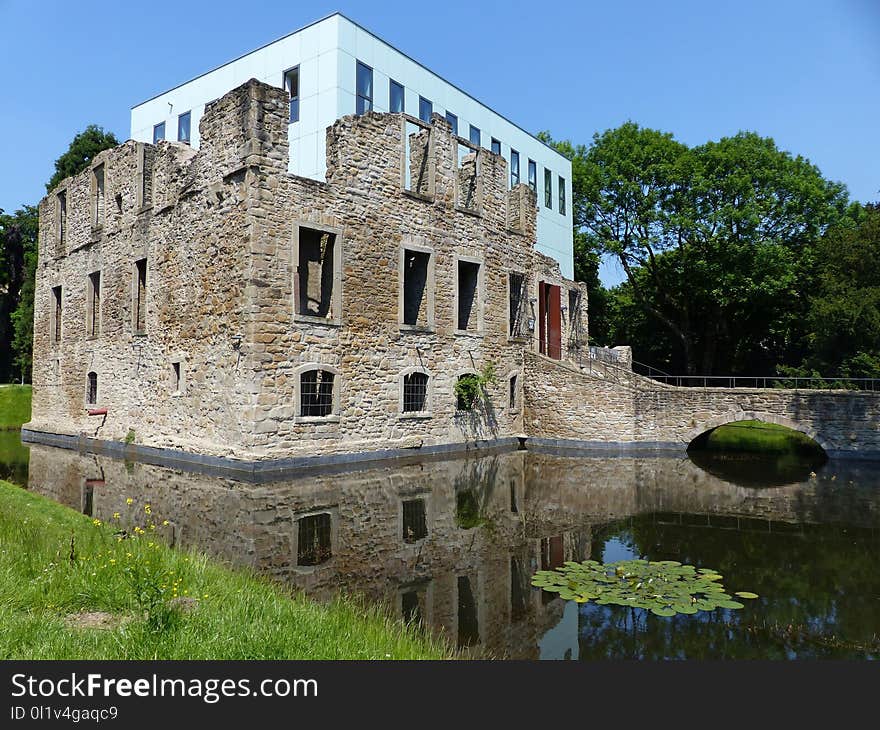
x: 770, y: 381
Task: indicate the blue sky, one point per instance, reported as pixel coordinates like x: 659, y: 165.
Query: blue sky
x: 805, y: 73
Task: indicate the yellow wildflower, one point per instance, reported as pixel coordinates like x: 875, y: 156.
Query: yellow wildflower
x: 115, y: 515
x: 148, y: 509
x: 129, y: 501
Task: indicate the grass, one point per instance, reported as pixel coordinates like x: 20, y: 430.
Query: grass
x: 15, y: 406
x: 55, y: 563
x: 760, y: 437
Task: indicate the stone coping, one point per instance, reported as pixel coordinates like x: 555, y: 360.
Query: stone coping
x: 273, y: 469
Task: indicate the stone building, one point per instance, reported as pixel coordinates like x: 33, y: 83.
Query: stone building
x: 210, y: 304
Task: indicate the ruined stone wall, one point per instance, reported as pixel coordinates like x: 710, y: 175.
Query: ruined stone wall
x: 218, y: 229
x: 193, y: 244
x: 365, y: 201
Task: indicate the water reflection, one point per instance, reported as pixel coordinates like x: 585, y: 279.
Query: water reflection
x: 13, y: 457
x: 453, y: 544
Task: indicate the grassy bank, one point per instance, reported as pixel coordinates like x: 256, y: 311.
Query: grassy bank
x: 760, y: 437
x: 56, y: 564
x: 15, y: 406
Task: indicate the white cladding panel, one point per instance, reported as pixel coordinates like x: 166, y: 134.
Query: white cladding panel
x: 327, y: 53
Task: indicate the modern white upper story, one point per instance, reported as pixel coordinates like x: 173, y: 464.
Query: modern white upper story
x: 334, y: 67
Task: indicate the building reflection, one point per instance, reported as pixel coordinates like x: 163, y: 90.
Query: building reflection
x: 450, y: 544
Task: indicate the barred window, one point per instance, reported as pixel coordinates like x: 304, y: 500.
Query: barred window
x: 415, y: 524
x: 92, y: 389
x: 415, y: 392
x: 316, y: 393
x: 314, y: 540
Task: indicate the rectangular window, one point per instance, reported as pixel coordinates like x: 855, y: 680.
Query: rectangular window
x: 88, y: 497
x: 317, y: 268
x: 574, y: 319
x: 453, y: 122
x: 511, y: 393
x: 364, y: 89
x: 92, y: 388
x: 468, y: 625
x: 468, y: 191
x: 140, y: 297
x: 410, y: 607
x: 291, y: 84
x: 415, y: 523
x: 426, y: 108
x: 62, y: 220
x: 519, y: 590
x: 395, y: 97
x: 183, y: 127
x: 562, y: 195
x: 468, y: 293
x: 517, y: 285
x: 56, y: 314
x: 146, y: 175
x: 418, y: 170
x: 514, y: 168
x: 548, y: 189
x: 533, y: 176
x: 474, y: 135
x: 158, y: 132
x: 415, y: 392
x: 496, y: 146
x: 93, y: 302
x: 314, y: 539
x: 99, y: 196
x: 416, y: 296
x: 175, y: 377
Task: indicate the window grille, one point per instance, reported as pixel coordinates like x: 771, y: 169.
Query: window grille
x: 314, y: 541
x: 316, y: 393
x: 415, y: 524
x: 415, y: 392
x: 92, y: 392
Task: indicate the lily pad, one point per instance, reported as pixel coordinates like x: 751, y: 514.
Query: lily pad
x: 664, y: 587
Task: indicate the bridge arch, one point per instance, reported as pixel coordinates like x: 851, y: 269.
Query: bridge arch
x: 738, y: 415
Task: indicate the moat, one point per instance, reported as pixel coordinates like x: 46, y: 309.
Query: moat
x: 453, y: 543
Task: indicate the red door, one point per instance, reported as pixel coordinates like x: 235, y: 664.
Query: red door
x: 550, y: 320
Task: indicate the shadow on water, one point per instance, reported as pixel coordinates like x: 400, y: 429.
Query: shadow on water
x: 13, y: 457
x: 452, y: 544
x: 755, y: 454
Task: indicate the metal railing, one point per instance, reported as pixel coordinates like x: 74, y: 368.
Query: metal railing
x: 768, y: 381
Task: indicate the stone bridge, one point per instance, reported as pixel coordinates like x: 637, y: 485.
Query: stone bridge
x: 606, y: 407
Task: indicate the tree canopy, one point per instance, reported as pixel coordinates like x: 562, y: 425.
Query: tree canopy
x: 82, y: 150
x: 717, y: 243
x: 18, y: 258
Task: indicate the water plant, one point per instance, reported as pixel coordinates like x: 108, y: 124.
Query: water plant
x: 664, y: 587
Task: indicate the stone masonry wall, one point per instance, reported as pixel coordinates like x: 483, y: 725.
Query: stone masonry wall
x: 218, y: 229
x: 565, y: 403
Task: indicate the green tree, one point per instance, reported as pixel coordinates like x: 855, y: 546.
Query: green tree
x: 715, y: 240
x: 586, y: 257
x: 844, y: 313
x: 18, y: 258
x: 18, y: 253
x: 82, y: 150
